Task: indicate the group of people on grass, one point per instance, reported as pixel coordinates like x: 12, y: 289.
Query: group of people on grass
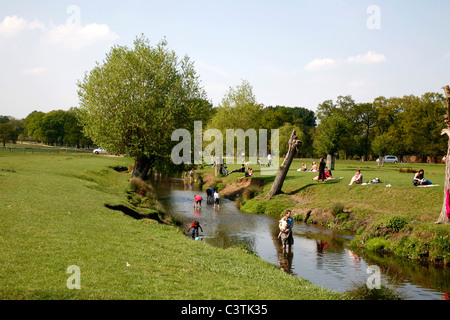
x: 325, y: 174
x: 418, y: 179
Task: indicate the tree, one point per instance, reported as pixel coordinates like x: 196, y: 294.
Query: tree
x: 133, y: 101
x: 10, y: 129
x: 332, y: 135
x: 294, y: 144
x: 32, y: 124
x: 366, y: 116
x: 237, y: 110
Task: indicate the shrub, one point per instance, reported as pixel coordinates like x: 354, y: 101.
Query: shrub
x: 140, y: 187
x: 396, y: 223
x: 337, y: 208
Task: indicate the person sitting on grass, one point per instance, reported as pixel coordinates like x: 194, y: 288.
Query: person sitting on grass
x: 241, y: 169
x: 419, y: 180
x: 328, y: 175
x: 357, y: 178
x: 248, y: 173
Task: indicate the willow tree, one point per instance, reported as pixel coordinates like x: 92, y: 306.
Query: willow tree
x: 133, y: 101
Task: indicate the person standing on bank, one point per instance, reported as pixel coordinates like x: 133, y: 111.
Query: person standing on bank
x: 322, y: 169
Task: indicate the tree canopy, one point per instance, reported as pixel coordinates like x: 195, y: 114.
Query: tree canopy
x: 133, y: 101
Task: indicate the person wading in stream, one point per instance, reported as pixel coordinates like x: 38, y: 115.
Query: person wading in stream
x: 290, y: 224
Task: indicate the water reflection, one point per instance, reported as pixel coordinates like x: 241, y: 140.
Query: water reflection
x: 318, y: 254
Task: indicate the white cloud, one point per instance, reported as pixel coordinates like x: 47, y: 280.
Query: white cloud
x: 78, y: 37
x: 328, y: 63
x: 69, y: 34
x: 11, y: 26
x: 369, y: 57
x: 320, y: 64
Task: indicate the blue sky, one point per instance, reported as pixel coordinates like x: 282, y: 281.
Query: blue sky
x: 293, y: 53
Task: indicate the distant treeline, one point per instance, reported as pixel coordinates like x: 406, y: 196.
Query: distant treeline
x: 57, y: 128
x: 404, y: 126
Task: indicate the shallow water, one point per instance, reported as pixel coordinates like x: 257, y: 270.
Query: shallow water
x: 320, y: 255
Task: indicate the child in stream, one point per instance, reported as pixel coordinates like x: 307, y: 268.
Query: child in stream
x: 195, y: 226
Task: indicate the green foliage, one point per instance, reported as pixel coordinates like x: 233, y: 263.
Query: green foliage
x: 237, y: 110
x: 133, y: 101
x: 337, y: 208
x: 396, y: 223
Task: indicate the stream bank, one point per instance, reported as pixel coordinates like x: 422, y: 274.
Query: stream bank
x: 394, y: 234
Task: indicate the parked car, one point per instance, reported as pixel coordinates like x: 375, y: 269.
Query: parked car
x: 98, y: 151
x: 390, y: 159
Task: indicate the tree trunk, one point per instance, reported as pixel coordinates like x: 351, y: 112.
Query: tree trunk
x: 142, y: 165
x: 294, y: 144
x: 330, y: 161
x: 443, y: 218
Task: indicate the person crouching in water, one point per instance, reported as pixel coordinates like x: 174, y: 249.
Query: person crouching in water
x: 198, y: 201
x: 195, y: 226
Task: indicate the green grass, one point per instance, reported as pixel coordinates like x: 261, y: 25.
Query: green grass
x: 53, y: 215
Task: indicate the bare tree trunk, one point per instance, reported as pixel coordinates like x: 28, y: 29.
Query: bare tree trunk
x: 443, y: 218
x: 294, y: 144
x: 142, y: 165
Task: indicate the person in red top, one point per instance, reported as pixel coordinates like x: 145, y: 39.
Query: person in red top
x: 198, y: 201
x: 195, y: 225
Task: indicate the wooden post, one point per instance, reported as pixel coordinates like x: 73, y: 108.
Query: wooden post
x: 443, y: 218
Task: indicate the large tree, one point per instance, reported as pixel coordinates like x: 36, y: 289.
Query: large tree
x: 133, y: 101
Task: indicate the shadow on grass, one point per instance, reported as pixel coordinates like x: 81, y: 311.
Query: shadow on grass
x: 133, y: 213
x: 310, y: 185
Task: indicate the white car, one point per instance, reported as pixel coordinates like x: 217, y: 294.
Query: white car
x: 98, y: 151
x: 390, y: 159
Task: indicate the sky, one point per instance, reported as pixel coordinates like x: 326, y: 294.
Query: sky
x: 293, y: 53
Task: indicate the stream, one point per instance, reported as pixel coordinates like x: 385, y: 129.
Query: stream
x: 321, y: 255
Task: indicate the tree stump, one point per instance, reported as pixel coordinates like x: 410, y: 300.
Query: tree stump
x: 294, y: 144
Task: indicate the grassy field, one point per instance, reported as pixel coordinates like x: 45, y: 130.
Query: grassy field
x: 392, y: 216
x: 54, y: 214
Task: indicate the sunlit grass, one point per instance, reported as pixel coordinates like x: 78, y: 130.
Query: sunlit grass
x: 53, y: 215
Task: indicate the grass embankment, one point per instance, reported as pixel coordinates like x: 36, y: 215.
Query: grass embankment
x: 55, y: 213
x: 398, y: 219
